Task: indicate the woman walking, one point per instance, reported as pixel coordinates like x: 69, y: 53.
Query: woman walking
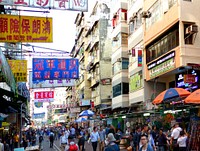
x: 94, y: 137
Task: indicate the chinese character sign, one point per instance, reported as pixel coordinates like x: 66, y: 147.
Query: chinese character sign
x: 19, y: 69
x: 15, y: 28
x: 44, y: 96
x: 77, y: 5
x: 52, y: 69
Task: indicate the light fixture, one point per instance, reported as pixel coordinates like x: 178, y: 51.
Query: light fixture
x: 146, y: 114
x: 124, y: 116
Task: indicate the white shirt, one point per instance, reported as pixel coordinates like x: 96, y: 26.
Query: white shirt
x: 176, y: 132
x: 182, y: 141
x: 63, y: 139
x: 1, y: 147
x: 94, y: 136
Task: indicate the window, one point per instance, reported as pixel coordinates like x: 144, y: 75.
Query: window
x: 136, y: 22
x: 117, y: 90
x: 162, y: 45
x: 121, y: 88
x: 125, y: 63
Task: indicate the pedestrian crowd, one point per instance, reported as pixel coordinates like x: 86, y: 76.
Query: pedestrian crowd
x: 107, y: 138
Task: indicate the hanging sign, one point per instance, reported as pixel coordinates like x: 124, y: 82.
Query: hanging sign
x: 52, y: 69
x: 139, y: 58
x: 44, y: 96
x: 77, y: 5
x: 16, y: 28
x: 19, y: 69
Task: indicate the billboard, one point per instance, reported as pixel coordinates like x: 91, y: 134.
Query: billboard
x: 54, y: 69
x: 50, y: 83
x: 19, y: 69
x: 77, y: 5
x: 44, y: 96
x: 17, y: 28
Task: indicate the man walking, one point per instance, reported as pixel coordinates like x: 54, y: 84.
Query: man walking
x: 51, y: 139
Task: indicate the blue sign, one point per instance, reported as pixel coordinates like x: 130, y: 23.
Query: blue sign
x: 38, y: 115
x: 55, y: 69
x: 19, y: 149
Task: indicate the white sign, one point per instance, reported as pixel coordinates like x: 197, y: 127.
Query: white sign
x: 60, y: 106
x: 75, y: 110
x: 44, y: 100
x: 77, y: 5
x: 84, y: 102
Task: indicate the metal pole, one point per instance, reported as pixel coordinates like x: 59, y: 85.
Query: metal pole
x: 21, y: 124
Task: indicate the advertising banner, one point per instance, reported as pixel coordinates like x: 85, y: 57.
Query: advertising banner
x: 136, y: 81
x: 19, y: 69
x: 50, y: 83
x: 84, y: 102
x: 38, y: 115
x: 45, y: 96
x: 16, y: 28
x: 55, y: 69
x: 77, y: 5
x: 60, y: 106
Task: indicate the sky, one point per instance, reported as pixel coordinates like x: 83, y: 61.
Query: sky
x: 64, y: 29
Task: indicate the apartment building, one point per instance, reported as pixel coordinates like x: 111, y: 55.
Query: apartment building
x: 171, y: 43
x: 93, y: 48
x: 120, y: 58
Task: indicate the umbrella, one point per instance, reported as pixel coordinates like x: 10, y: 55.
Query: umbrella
x: 81, y: 119
x: 170, y: 94
x: 193, y: 98
x: 86, y: 113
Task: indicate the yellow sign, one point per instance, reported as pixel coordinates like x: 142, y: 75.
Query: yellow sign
x: 15, y: 28
x: 19, y: 69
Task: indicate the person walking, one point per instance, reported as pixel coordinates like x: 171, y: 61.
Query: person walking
x: 63, y: 141
x: 94, y: 137
x: 161, y: 141
x: 40, y: 141
x: 1, y: 145
x: 51, y: 139
x: 81, y: 139
x: 182, y: 141
x: 16, y: 140
x: 111, y: 146
x: 102, y: 135
x: 145, y: 146
x: 174, y: 136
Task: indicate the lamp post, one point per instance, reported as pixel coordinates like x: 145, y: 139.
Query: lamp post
x: 23, y: 104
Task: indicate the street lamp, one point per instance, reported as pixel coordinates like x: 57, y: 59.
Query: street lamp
x: 23, y: 104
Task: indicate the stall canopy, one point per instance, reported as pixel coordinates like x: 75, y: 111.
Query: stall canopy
x: 169, y: 94
x: 193, y: 98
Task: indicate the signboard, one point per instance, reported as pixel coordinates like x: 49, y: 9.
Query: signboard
x: 38, y: 104
x: 75, y: 110
x: 50, y: 83
x: 84, y: 103
x: 19, y: 69
x: 55, y: 69
x: 39, y: 115
x: 139, y: 58
x: 162, y: 65
x: 136, y: 81
x: 77, y: 5
x: 58, y: 111
x: 45, y: 96
x: 61, y: 106
x: 189, y: 78
x: 15, y: 28
x: 6, y: 72
x: 192, y: 83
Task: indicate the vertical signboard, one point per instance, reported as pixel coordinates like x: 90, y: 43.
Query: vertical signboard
x: 55, y: 69
x: 19, y: 69
x: 139, y: 58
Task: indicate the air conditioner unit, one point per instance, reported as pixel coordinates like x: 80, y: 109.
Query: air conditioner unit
x: 146, y: 14
x: 191, y: 29
x: 115, y: 39
x: 129, y: 52
x: 119, y: 60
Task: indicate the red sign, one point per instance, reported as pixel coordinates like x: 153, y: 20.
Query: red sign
x: 44, y: 95
x: 189, y: 78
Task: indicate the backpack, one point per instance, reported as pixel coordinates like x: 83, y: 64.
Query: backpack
x: 51, y: 137
x: 40, y: 138
x: 73, y: 147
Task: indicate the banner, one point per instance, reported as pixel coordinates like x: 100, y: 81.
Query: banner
x: 15, y: 28
x: 55, y: 69
x: 38, y: 115
x: 60, y: 106
x: 50, y: 83
x: 45, y: 96
x: 77, y: 5
x: 19, y: 69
